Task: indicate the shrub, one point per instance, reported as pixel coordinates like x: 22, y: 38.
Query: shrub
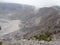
x: 46, y: 37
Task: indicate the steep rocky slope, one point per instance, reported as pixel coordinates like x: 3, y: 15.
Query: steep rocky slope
x: 34, y: 21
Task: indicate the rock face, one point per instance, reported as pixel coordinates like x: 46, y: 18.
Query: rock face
x: 50, y: 22
x: 34, y: 21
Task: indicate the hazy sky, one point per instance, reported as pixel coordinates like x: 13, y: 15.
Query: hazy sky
x: 37, y: 3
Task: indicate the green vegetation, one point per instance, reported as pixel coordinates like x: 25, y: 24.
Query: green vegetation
x: 46, y: 37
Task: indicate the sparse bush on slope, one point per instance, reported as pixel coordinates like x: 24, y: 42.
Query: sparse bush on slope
x: 46, y: 37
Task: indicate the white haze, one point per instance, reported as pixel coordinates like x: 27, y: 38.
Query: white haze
x: 37, y: 3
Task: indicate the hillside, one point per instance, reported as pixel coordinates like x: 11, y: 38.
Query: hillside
x: 31, y: 21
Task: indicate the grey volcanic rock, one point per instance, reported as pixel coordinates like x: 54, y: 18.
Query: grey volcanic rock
x: 31, y: 42
x: 34, y: 21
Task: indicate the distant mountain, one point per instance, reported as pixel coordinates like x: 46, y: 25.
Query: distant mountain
x: 58, y: 7
x: 32, y: 19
